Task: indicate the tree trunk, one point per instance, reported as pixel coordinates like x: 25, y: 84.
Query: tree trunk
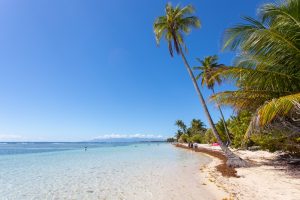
x: 223, y: 120
x: 232, y: 159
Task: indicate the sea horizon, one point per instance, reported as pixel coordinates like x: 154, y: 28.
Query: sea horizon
x: 24, y: 147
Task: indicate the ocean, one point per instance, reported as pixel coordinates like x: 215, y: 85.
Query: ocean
x: 101, y: 171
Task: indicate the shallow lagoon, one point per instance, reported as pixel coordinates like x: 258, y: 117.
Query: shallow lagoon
x: 104, y: 171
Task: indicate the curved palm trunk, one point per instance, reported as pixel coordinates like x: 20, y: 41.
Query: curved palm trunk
x: 223, y: 120
x: 233, y: 160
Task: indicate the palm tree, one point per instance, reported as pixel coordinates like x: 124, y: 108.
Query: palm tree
x: 181, y: 125
x: 182, y: 129
x: 198, y: 124
x: 268, y: 70
x: 178, y: 134
x: 172, y: 26
x: 207, y: 68
x: 197, y: 128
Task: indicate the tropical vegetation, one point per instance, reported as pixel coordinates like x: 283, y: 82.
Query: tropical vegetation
x: 194, y: 133
x: 172, y: 26
x: 266, y: 72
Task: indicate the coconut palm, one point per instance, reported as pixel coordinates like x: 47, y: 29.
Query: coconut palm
x: 208, y: 66
x: 198, y: 125
x: 268, y: 70
x: 176, y: 22
x: 197, y: 128
x: 181, y: 125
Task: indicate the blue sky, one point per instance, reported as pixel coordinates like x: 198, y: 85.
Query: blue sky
x: 76, y: 70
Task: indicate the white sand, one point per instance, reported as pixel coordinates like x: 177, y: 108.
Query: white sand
x: 263, y: 182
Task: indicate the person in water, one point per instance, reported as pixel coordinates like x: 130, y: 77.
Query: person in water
x: 85, y: 148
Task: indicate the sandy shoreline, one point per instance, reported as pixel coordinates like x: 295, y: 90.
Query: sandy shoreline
x: 263, y: 181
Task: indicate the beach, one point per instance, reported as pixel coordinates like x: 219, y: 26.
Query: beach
x: 265, y: 179
x: 139, y: 171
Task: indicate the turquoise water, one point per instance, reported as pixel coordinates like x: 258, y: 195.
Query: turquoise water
x: 104, y: 171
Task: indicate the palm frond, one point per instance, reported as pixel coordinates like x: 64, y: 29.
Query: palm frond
x: 264, y: 40
x: 186, y: 10
x: 264, y: 79
x: 277, y: 107
x: 286, y: 12
x: 245, y: 99
x: 208, y: 67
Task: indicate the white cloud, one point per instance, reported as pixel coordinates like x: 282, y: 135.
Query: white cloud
x: 121, y: 136
x: 11, y: 137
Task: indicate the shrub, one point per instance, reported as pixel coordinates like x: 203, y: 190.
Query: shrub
x: 197, y: 138
x: 209, y: 137
x: 183, y: 138
x: 237, y: 126
x: 276, y: 140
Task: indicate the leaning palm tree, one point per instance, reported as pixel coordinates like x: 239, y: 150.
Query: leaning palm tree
x: 172, y: 26
x: 207, y: 68
x: 182, y: 129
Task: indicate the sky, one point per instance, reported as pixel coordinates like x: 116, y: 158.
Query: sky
x: 73, y: 70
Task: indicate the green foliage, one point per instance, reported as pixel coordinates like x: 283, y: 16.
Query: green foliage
x: 268, y: 70
x: 197, y: 128
x: 194, y: 133
x: 181, y: 125
x: 182, y: 129
x: 197, y: 138
x: 268, y: 139
x: 178, y: 134
x: 276, y: 140
x: 267, y: 74
x: 238, y: 126
x: 273, y: 37
x: 277, y: 107
x: 172, y: 26
x: 221, y: 129
x: 184, y: 138
x: 206, y: 70
x: 209, y: 137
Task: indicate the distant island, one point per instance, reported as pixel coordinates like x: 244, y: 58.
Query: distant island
x: 129, y: 138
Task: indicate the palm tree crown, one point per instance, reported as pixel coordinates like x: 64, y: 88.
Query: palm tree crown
x: 174, y: 25
x: 208, y: 66
x: 181, y: 125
